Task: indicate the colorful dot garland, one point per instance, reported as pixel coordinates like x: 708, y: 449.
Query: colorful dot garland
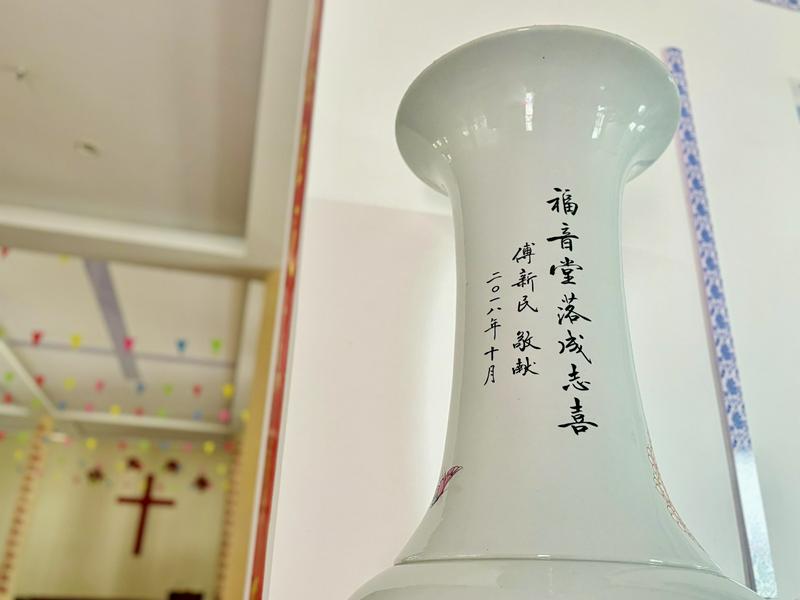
x: 70, y: 384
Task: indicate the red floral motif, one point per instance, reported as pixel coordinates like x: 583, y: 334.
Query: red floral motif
x: 96, y: 475
x: 202, y: 483
x: 440, y: 488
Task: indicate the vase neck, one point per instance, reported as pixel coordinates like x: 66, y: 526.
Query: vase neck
x: 545, y: 416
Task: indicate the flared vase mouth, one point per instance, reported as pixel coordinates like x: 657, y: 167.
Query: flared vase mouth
x: 490, y: 76
x: 532, y: 29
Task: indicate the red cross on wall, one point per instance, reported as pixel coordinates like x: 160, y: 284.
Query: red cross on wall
x: 144, y: 502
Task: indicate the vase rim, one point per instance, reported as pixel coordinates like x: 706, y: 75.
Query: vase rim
x: 516, y: 31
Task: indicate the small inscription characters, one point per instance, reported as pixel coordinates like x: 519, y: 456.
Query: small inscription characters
x: 494, y: 324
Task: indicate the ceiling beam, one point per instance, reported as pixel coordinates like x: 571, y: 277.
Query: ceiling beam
x: 278, y: 122
x: 75, y: 423
x: 108, y: 303
x: 24, y: 377
x: 108, y: 239
x: 13, y: 410
x: 36, y: 392
x: 144, y: 425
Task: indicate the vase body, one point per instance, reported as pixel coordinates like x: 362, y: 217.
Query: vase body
x: 549, y: 486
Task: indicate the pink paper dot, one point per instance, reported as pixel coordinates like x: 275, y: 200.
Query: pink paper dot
x: 88, y: 407
x: 224, y: 415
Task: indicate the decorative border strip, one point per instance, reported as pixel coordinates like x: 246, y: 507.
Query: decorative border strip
x: 20, y: 516
x: 790, y: 4
x: 267, y: 492
x: 759, y: 569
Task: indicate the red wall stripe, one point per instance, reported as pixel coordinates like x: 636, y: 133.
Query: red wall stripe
x: 265, y: 504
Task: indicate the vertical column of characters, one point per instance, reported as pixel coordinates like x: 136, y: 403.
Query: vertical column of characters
x: 493, y: 283
x: 568, y: 315
x: 524, y: 345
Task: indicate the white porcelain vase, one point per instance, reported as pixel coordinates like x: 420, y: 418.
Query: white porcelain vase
x: 549, y: 486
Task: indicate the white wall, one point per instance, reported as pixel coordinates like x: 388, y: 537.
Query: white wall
x: 371, y: 370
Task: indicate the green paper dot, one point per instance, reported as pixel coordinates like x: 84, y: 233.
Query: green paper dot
x: 216, y: 345
x: 9, y: 376
x: 167, y: 389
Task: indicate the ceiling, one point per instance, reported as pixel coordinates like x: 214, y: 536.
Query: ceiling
x: 110, y: 346
x: 151, y: 132
x: 146, y: 169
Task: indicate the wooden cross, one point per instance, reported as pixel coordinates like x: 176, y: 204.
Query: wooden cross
x: 144, y: 502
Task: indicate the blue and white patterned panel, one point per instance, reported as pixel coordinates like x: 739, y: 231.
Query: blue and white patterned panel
x: 744, y: 476
x: 790, y: 4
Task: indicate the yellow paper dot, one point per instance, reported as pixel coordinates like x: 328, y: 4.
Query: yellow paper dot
x: 63, y: 258
x: 19, y: 454
x: 222, y: 468
x: 91, y: 443
x: 228, y: 390
x: 115, y: 409
x: 70, y: 383
x: 209, y: 447
x: 245, y: 416
x: 75, y: 340
x: 120, y: 465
